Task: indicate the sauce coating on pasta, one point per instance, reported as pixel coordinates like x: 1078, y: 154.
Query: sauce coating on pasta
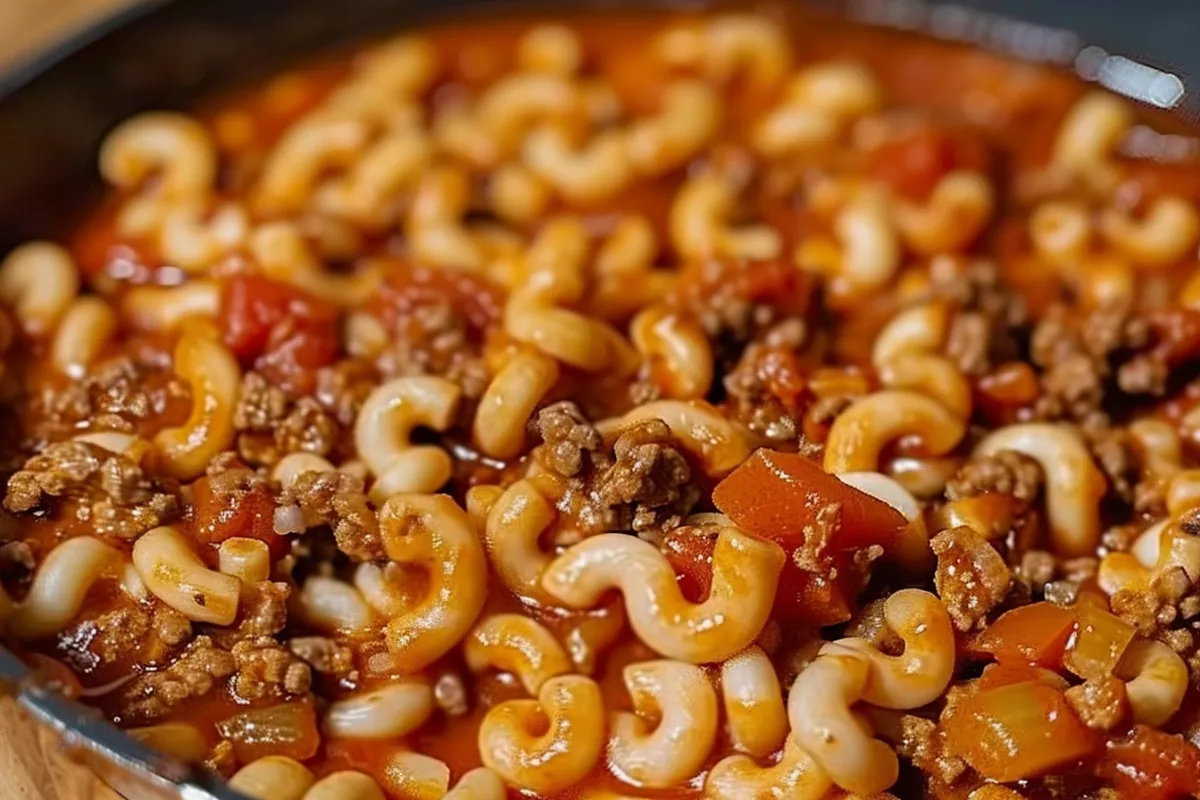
x: 731, y: 406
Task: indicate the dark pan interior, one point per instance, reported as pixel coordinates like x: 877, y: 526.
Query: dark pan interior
x: 55, y: 110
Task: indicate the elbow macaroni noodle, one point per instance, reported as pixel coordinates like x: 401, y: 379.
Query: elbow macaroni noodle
x: 385, y: 423
x: 681, y: 699
x: 412, y: 516
x: 744, y: 575
x: 175, y: 575
x: 567, y: 711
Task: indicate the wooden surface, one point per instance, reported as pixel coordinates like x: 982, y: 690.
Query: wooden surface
x: 26, y: 25
x: 31, y: 765
x: 33, y: 768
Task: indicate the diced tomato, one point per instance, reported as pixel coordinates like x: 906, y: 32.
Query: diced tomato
x: 780, y: 371
x: 1178, y: 331
x: 410, y: 287
x: 1006, y: 389
x: 288, y: 729
x: 1152, y: 765
x: 1002, y: 674
x: 1017, y: 731
x: 776, y: 496
x: 1032, y: 634
x: 248, y: 513
x: 1100, y: 640
x: 252, y: 307
x: 914, y: 163
x: 690, y: 551
x: 811, y: 597
x: 295, y: 353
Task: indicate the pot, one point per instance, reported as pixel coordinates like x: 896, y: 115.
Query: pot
x: 56, y: 108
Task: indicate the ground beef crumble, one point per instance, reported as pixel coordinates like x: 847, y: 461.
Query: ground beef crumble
x: 265, y: 668
x: 1079, y: 357
x: 644, y: 486
x: 198, y: 670
x: 989, y: 316
x: 1100, y: 703
x: 338, y: 500
x: 922, y: 743
x: 1007, y: 472
x: 112, y: 491
x: 148, y: 631
x: 434, y: 339
x: 971, y: 577
x: 325, y: 656
x: 568, y: 437
x: 765, y: 387
x: 264, y: 608
x: 115, y: 395
x: 271, y: 425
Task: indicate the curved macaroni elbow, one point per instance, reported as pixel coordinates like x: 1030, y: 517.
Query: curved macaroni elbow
x: 699, y: 224
x: 38, y: 280
x: 859, y: 434
x: 955, y: 214
x: 745, y: 572
x: 86, y: 328
x: 920, y: 674
x: 335, y: 607
x: 681, y: 698
x: 753, y: 702
x: 824, y: 725
x: 175, y: 575
x: 431, y: 532
x: 702, y: 429
x: 478, y: 784
x: 549, y: 744
x: 345, y: 785
x: 514, y: 526
x: 796, y: 776
x: 509, y: 401
x: 1158, y: 680
x: 675, y: 350
x: 60, y: 586
x: 174, y: 146
x: 385, y: 423
x: 518, y: 645
x: 273, y: 778
x: 932, y: 375
x: 383, y: 713
x: 1074, y: 484
x: 215, y: 378
x: 920, y: 328
x: 165, y: 308
x: 688, y: 119
x: 1165, y: 236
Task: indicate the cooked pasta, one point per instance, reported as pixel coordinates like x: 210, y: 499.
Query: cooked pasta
x: 695, y: 404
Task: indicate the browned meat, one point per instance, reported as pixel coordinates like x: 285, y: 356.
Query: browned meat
x: 113, y: 491
x: 196, y: 672
x: 1100, y: 703
x: 338, y: 500
x: 971, y: 577
x: 265, y: 668
x: 1006, y: 472
x: 568, y: 437
x: 325, y: 656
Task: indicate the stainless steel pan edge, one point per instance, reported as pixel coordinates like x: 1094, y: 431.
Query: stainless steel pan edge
x: 140, y: 773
